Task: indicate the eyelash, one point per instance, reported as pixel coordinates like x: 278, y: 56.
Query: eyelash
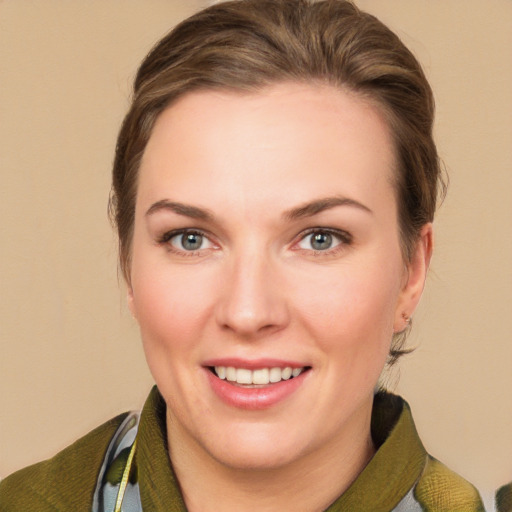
x: 169, y: 235
x: 344, y: 237
x: 345, y: 240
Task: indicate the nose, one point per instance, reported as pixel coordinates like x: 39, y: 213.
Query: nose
x: 253, y: 301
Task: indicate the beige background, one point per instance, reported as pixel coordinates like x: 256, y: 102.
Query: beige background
x: 70, y: 355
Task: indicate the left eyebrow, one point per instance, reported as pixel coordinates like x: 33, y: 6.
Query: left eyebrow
x: 186, y: 210
x: 320, y: 205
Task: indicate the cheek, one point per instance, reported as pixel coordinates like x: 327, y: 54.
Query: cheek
x: 171, y: 307
x: 351, y: 310
x: 358, y: 318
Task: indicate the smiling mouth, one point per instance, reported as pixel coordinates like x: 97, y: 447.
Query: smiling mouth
x: 256, y: 378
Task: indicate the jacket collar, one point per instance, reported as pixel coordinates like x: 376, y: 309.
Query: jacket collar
x: 387, y: 478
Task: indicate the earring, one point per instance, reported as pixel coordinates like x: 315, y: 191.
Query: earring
x: 406, y: 318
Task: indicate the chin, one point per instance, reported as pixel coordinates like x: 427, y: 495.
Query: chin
x: 255, y: 459
x: 255, y: 449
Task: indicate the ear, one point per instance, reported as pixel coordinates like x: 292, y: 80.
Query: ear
x: 131, y: 302
x: 414, y: 278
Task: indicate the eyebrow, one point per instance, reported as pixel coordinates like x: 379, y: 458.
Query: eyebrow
x: 181, y: 209
x: 299, y: 212
x: 320, y: 205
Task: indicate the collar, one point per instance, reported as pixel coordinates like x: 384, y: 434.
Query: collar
x: 386, y: 479
x: 159, y: 488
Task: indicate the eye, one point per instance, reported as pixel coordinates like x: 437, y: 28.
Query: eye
x: 323, y: 240
x: 188, y: 241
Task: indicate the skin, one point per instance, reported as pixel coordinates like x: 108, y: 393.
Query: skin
x: 256, y: 288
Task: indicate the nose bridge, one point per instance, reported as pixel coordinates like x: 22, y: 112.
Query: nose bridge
x: 252, y: 302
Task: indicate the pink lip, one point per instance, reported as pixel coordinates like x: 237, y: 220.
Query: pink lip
x: 254, y: 398
x: 253, y: 364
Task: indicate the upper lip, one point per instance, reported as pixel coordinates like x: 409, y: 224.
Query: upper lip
x: 253, y: 364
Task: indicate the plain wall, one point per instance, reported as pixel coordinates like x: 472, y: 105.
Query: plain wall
x: 70, y: 355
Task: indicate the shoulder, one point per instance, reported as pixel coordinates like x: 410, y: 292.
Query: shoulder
x: 504, y: 498
x: 64, y: 482
x: 441, y: 489
x: 424, y: 483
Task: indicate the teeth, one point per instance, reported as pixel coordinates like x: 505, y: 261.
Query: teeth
x: 286, y: 373
x: 230, y: 374
x: 275, y: 375
x: 243, y: 376
x: 221, y: 371
x: 262, y: 376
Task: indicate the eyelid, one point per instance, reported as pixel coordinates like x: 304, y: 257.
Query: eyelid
x: 166, y: 237
x: 344, y: 237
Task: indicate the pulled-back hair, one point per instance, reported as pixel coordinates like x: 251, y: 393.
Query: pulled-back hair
x: 246, y: 45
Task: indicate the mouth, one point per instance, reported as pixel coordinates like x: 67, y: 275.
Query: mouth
x: 259, y: 377
x: 255, y: 384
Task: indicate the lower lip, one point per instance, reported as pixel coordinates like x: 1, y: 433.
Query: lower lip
x: 254, y: 398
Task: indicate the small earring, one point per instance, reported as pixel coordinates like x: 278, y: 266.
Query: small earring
x: 406, y: 318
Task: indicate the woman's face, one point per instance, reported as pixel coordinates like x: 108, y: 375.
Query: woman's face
x: 266, y: 244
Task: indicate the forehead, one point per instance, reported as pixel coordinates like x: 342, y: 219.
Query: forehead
x: 305, y: 139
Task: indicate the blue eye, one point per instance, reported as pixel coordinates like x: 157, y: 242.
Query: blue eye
x: 189, y: 241
x: 321, y: 240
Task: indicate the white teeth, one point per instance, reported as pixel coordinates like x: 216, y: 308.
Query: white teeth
x: 220, y: 371
x: 231, y: 374
x: 261, y: 376
x: 275, y: 375
x: 286, y: 373
x: 243, y: 376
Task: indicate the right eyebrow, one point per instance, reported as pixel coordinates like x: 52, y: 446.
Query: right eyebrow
x: 186, y: 210
x: 319, y: 205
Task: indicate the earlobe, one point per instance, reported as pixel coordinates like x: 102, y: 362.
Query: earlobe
x: 131, y: 302
x: 417, y: 269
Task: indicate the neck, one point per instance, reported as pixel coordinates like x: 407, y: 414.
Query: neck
x: 310, y: 483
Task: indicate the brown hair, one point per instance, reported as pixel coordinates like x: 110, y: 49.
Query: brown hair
x: 245, y: 45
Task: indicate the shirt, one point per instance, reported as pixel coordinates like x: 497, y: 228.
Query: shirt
x: 400, y: 477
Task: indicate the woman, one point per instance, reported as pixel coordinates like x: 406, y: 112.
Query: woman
x: 274, y: 188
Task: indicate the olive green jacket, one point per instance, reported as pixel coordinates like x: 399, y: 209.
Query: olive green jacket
x: 504, y: 498
x: 400, y: 477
